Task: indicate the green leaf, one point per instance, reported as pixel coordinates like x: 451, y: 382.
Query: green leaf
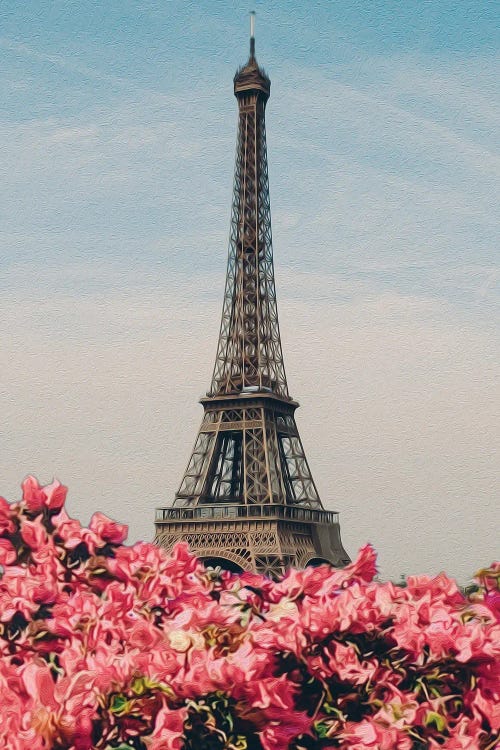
x: 119, y: 704
x: 142, y: 684
x: 321, y: 729
x: 334, y: 711
x: 434, y: 719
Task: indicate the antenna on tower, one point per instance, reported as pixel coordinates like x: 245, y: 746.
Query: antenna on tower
x: 252, y: 34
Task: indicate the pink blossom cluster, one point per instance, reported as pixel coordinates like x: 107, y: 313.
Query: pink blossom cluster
x: 110, y: 647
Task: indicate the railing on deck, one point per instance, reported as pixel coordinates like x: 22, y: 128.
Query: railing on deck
x: 223, y: 511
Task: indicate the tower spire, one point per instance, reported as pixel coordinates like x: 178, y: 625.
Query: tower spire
x: 252, y: 35
x: 248, y: 498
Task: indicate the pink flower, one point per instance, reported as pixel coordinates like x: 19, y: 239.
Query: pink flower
x: 126, y: 644
x: 466, y: 735
x: 81, y: 731
x: 440, y: 588
x: 349, y: 668
x: 6, y: 522
x: 52, y: 496
x: 55, y: 495
x: 68, y: 529
x: 168, y: 729
x: 369, y: 735
x: 492, y: 601
x: 283, y: 727
x: 8, y: 553
x: 485, y: 706
x: 143, y: 635
x: 109, y: 530
x: 36, y: 538
x: 364, y: 566
x: 33, y: 494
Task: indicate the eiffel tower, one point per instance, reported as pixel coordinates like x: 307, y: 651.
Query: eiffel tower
x: 247, y: 500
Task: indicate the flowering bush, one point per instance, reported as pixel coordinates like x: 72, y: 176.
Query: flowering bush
x: 108, y: 646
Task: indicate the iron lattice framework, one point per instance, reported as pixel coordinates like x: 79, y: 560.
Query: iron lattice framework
x: 247, y: 498
x: 249, y: 351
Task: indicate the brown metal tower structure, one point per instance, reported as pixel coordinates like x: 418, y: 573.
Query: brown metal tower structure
x: 247, y: 499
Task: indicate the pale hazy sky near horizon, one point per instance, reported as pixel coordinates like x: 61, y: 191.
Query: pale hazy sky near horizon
x: 118, y: 128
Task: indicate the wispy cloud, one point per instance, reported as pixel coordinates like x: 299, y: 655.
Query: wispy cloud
x: 67, y: 63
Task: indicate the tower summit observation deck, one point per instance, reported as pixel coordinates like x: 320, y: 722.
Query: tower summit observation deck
x: 247, y: 500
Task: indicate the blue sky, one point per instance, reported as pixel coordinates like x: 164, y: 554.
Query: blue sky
x: 399, y: 98
x: 118, y: 128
